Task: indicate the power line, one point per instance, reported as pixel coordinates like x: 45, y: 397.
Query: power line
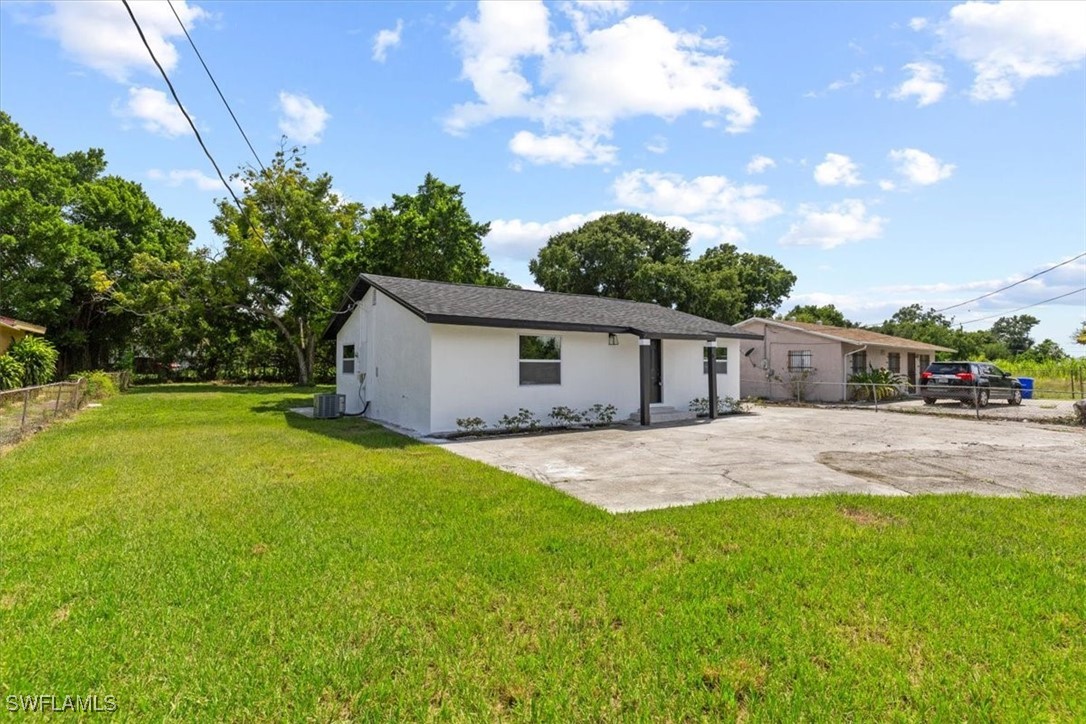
x: 1028, y: 306
x: 257, y: 231
x: 1010, y: 286
x: 217, y: 89
x: 178, y: 101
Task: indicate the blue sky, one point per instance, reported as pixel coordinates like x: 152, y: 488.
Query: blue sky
x: 887, y: 153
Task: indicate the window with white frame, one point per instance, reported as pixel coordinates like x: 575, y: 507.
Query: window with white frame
x: 799, y: 360
x: 721, y: 361
x: 348, y: 359
x: 540, y: 360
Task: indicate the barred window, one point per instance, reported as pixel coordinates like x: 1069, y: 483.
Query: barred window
x: 799, y: 361
x: 893, y: 362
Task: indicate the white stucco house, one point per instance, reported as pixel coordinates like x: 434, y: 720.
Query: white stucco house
x: 819, y: 359
x: 421, y: 354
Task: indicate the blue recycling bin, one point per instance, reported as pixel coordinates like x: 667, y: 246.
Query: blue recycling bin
x: 1027, y: 387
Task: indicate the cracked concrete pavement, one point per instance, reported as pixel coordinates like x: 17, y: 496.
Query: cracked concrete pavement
x: 783, y: 451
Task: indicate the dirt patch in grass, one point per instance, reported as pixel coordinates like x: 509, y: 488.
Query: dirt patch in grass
x: 867, y: 518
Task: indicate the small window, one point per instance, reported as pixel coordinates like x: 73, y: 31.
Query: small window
x: 893, y: 362
x: 721, y: 361
x: 859, y: 363
x: 800, y: 361
x: 540, y: 360
x: 348, y: 359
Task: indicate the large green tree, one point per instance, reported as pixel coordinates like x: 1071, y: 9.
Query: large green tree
x: 1014, y: 332
x: 630, y: 256
x: 819, y: 314
x: 428, y: 235
x: 291, y: 249
x: 68, y: 239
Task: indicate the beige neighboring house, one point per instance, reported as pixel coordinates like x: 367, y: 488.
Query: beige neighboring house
x: 12, y: 330
x: 821, y: 358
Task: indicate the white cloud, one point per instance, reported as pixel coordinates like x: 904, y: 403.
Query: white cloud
x: 583, y: 14
x: 656, y: 144
x: 887, y: 185
x: 1010, y: 43
x: 302, y: 120
x: 386, y: 39
x: 926, y: 83
x: 919, y: 168
x: 177, y: 177
x: 155, y: 112
x: 839, y: 224
x: 918, y: 23
x: 562, y: 149
x: 707, y: 198
x: 589, y: 80
x: 853, y: 79
x: 837, y: 170
x: 518, y: 240
x: 100, y: 35
x: 759, y: 164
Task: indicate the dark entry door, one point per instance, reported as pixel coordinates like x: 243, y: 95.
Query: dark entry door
x: 912, y: 368
x: 656, y: 390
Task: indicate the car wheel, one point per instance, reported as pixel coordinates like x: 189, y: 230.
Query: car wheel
x: 929, y: 400
x: 982, y: 397
x: 1016, y: 396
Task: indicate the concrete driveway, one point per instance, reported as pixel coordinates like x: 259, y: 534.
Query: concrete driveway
x: 783, y: 451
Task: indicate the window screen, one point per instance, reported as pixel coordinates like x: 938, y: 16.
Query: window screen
x: 348, y: 359
x: 721, y: 361
x: 540, y: 360
x: 893, y: 361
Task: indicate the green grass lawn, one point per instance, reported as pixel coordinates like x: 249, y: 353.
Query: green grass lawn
x: 197, y: 553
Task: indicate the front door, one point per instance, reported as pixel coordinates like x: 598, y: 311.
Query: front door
x: 912, y: 369
x: 656, y: 389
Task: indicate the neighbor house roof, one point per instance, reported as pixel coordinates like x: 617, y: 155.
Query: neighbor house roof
x: 20, y: 325
x: 468, y: 304
x: 849, y: 335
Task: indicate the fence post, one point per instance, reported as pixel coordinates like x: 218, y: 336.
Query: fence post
x: 875, y: 396
x: 56, y: 407
x: 26, y: 404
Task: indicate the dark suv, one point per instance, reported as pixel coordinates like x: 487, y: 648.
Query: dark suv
x: 969, y: 382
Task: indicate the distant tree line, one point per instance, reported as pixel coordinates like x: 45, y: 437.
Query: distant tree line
x: 121, y: 285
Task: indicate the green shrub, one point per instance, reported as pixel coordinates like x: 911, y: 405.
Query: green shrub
x: 470, y: 424
x: 880, y: 384
x: 100, y: 384
x: 11, y: 373
x: 39, y: 360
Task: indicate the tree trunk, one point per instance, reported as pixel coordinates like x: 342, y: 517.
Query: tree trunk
x: 295, y: 344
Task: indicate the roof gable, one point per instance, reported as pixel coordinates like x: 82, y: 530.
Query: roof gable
x: 469, y: 304
x: 848, y: 335
x: 20, y: 325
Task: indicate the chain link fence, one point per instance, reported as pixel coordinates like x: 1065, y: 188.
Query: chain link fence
x: 1041, y: 405
x: 28, y: 409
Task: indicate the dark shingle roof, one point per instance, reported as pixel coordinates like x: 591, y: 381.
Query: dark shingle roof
x: 446, y: 303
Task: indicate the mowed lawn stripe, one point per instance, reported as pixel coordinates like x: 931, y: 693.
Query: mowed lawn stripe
x: 198, y: 553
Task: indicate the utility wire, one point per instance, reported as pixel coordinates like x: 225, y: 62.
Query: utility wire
x: 1009, y: 286
x: 1028, y: 306
x: 178, y: 101
x: 217, y: 89
x: 259, y: 233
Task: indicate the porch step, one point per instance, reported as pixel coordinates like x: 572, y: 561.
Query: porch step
x: 665, y: 413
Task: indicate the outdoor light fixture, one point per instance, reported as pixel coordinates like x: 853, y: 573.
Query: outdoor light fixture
x: 612, y: 339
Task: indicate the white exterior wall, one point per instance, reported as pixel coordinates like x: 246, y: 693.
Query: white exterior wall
x: 684, y: 376
x: 476, y: 373
x: 393, y: 348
